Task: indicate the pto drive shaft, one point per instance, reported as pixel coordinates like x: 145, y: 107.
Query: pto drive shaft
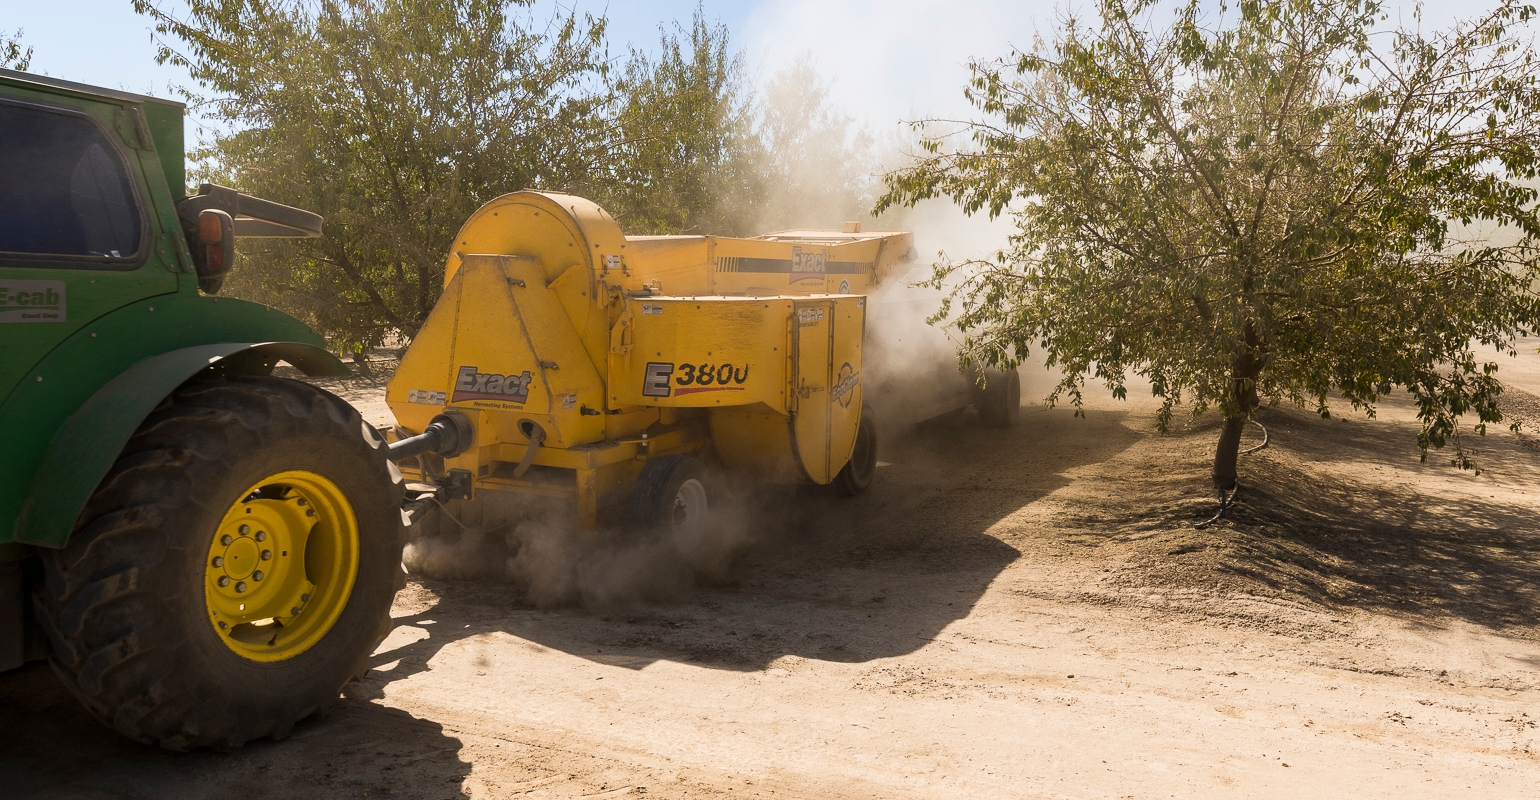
x: 448, y: 435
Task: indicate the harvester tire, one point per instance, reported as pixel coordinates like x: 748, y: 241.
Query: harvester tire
x: 127, y: 604
x: 672, y: 494
x: 999, y: 402
x: 857, y: 474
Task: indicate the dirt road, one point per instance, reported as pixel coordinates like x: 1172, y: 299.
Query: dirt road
x: 1021, y: 614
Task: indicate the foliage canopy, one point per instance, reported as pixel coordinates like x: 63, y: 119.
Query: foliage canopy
x: 1276, y: 200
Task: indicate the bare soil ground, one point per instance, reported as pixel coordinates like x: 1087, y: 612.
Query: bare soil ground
x: 1006, y: 614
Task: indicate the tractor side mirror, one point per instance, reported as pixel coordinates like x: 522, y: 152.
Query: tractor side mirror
x: 209, y: 221
x: 215, y: 253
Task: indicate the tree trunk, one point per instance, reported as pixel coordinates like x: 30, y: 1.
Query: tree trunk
x: 361, y: 361
x: 1243, y: 400
x: 1225, y: 476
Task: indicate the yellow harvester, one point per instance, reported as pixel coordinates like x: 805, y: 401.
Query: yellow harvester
x: 568, y: 360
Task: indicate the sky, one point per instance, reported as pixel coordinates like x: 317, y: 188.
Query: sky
x: 885, y: 59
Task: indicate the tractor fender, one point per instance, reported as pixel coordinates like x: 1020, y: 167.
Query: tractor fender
x: 86, y: 445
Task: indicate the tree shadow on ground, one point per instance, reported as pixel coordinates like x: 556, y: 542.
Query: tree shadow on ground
x: 50, y: 747
x: 1369, y: 537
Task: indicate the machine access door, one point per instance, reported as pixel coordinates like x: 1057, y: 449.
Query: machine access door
x: 826, y: 383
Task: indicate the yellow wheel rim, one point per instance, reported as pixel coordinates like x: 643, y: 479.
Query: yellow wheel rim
x: 281, y: 566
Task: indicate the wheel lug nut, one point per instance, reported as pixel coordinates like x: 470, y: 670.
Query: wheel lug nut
x: 292, y: 612
x: 261, y: 536
x: 240, y: 586
x: 257, y: 576
x: 245, y: 529
x: 267, y: 555
x: 304, y: 598
x: 222, y: 625
x: 224, y: 580
x: 302, y: 501
x: 219, y: 561
x: 226, y: 540
x: 309, y: 512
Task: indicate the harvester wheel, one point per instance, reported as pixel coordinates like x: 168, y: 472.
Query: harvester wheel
x: 672, y: 494
x: 999, y: 402
x: 858, y: 473
x: 232, y: 571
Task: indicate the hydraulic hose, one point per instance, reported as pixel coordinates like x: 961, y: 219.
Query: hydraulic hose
x: 536, y: 435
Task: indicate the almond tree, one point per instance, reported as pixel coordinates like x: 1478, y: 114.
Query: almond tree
x: 1276, y: 201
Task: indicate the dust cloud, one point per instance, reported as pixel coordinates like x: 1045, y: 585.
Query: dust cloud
x: 820, y: 165
x: 536, y: 545
x: 910, y: 366
x: 913, y: 362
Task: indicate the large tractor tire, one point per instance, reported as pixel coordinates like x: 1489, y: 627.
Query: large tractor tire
x: 999, y: 401
x: 858, y: 473
x: 673, y: 495
x: 232, y: 571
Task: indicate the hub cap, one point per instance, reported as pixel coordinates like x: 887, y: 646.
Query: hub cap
x: 281, y: 566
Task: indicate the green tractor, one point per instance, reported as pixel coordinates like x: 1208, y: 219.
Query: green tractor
x: 205, y: 553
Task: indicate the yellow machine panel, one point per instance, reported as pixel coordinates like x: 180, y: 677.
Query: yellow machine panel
x: 759, y: 445
x: 797, y: 265
x: 577, y: 245
x: 499, y: 341
x: 702, y: 352
x: 827, y: 383
x: 680, y: 264
x: 789, y: 263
